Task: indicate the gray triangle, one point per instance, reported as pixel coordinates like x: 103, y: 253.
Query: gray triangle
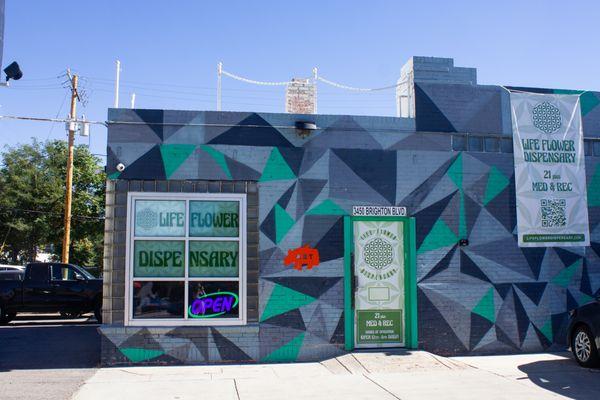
x: 345, y: 184
x: 455, y: 314
x: 487, y: 229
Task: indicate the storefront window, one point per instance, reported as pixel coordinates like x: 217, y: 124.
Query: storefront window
x: 186, y: 259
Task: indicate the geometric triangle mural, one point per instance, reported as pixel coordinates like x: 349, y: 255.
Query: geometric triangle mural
x: 488, y: 296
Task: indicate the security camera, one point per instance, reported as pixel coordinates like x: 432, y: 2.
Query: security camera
x: 120, y: 167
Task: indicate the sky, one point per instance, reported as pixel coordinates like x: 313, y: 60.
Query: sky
x: 169, y: 52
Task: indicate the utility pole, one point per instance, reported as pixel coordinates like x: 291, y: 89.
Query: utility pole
x: 69, y: 183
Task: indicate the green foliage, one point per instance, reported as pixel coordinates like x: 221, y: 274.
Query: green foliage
x: 32, y: 193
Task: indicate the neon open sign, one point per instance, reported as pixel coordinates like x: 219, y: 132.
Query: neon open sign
x: 212, y: 305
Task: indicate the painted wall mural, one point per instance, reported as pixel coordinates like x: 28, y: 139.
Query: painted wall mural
x: 489, y: 296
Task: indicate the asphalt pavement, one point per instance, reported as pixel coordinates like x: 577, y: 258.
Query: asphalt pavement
x: 46, y: 357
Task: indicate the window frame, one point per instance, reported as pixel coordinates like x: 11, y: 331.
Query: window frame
x: 242, y: 319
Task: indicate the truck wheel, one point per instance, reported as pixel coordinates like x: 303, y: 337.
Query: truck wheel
x: 98, y: 313
x: 584, y: 348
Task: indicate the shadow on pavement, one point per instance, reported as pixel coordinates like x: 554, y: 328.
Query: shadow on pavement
x: 51, y: 344
x: 564, y: 377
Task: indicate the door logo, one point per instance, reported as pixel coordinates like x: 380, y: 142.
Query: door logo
x: 379, y: 254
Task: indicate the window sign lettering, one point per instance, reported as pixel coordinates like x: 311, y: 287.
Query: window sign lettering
x: 213, y: 258
x: 213, y: 305
x: 213, y: 299
x: 159, y: 258
x: 186, y: 259
x: 214, y: 218
x: 159, y: 218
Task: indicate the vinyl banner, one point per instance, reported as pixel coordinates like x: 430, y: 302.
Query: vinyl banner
x: 549, y: 170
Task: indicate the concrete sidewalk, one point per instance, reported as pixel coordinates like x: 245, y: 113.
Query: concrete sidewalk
x: 382, y: 376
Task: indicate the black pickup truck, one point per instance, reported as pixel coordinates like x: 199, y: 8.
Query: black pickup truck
x: 49, y: 288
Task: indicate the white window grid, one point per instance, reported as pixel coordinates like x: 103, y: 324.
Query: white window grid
x: 186, y: 279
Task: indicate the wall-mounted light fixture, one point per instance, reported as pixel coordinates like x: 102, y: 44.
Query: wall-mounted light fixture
x: 305, y: 128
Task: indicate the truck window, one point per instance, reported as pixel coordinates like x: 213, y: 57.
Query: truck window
x: 63, y: 273
x: 37, y: 272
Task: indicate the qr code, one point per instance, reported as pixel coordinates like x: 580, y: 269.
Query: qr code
x: 553, y: 213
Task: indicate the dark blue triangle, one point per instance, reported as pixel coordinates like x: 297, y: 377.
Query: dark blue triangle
x: 567, y: 257
x: 268, y: 226
x: 435, y: 334
x: 468, y: 267
x: 571, y: 302
x: 585, y: 285
x: 285, y: 198
x: 429, y: 118
x: 502, y: 207
x: 427, y: 217
x: 533, y: 290
x: 293, y: 157
x: 228, y: 351
x: 502, y: 289
x: 479, y: 327
x: 416, y: 197
x: 252, y: 131
x: 331, y: 246
x: 522, y: 319
x: 377, y: 168
x: 154, y: 119
x: 148, y: 166
x: 442, y: 265
x: 534, y: 257
x: 291, y: 319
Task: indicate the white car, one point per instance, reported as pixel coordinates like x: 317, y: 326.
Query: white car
x: 13, y: 268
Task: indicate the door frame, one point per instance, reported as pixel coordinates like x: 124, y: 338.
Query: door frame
x: 410, y: 278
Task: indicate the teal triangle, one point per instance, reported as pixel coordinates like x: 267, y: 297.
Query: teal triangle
x: 495, y: 185
x: 287, y: 352
x: 547, y: 330
x: 219, y: 159
x: 563, y: 278
x: 593, y: 192
x: 173, y: 155
x: 328, y: 207
x: 455, y: 172
x: 284, y: 299
x: 588, y: 101
x: 114, y: 175
x: 485, y: 307
x: 439, y: 236
x: 135, y: 354
x: 276, y: 168
x: 283, y: 223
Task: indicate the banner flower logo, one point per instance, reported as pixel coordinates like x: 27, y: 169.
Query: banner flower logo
x: 546, y: 117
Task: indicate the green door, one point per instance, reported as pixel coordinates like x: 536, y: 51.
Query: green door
x: 379, y: 292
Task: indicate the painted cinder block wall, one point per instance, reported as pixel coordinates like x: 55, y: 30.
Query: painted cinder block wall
x: 488, y: 297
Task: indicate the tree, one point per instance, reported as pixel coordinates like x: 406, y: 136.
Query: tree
x: 32, y: 192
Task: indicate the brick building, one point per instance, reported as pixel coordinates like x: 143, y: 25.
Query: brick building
x: 230, y: 236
